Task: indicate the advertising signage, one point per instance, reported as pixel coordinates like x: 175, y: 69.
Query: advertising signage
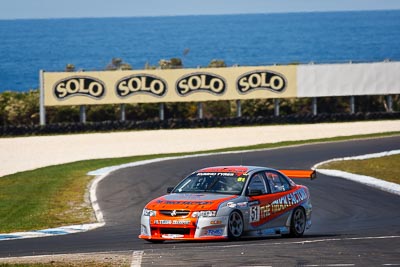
x: 170, y: 85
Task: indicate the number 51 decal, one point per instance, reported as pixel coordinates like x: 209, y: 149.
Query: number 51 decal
x: 254, y: 214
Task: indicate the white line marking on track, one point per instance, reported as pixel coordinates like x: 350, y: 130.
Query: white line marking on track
x: 137, y: 258
x: 93, y: 198
x: 331, y: 265
x: 344, y: 239
x: 316, y: 241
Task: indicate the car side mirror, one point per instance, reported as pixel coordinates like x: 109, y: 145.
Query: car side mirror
x: 169, y: 189
x: 255, y: 192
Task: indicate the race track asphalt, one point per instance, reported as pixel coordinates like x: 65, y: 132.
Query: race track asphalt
x: 353, y: 225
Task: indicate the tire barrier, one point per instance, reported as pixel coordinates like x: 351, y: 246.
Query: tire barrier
x: 107, y: 126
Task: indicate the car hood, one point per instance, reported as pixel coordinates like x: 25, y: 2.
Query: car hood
x: 199, y: 201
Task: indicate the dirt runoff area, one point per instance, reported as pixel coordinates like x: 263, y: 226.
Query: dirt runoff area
x: 27, y: 153
x: 100, y: 259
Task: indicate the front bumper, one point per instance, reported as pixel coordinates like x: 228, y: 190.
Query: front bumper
x: 202, y: 228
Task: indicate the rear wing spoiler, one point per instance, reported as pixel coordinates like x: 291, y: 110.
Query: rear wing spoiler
x: 307, y: 174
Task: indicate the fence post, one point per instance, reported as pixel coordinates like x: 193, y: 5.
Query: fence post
x: 352, y: 105
x: 161, y: 111
x: 82, y: 114
x: 42, y: 109
x: 276, y: 107
x: 123, y: 113
x: 238, y: 109
x: 200, y: 110
x: 389, y: 100
x: 314, y: 106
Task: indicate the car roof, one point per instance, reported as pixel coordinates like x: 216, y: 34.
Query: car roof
x: 237, y: 169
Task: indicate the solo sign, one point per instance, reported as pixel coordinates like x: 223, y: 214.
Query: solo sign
x: 82, y: 86
x: 168, y: 86
x: 141, y: 83
x: 261, y: 80
x: 200, y: 82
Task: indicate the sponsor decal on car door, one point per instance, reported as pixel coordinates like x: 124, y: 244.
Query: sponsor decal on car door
x: 278, y: 198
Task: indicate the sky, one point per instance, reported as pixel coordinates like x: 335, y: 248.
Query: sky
x: 33, y: 9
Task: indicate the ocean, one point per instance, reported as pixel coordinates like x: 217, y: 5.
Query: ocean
x: 27, y: 46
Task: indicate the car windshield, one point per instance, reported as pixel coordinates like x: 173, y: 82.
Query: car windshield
x: 212, y: 182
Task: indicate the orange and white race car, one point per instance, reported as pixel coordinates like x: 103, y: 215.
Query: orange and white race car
x: 228, y: 202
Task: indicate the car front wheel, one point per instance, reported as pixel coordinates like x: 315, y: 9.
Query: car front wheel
x: 235, y: 225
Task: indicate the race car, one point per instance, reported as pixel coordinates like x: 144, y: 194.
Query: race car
x: 230, y: 202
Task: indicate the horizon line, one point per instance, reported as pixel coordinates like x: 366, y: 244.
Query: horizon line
x: 195, y: 15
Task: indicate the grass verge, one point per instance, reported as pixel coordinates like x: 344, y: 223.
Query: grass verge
x: 55, y: 195
x: 385, y: 168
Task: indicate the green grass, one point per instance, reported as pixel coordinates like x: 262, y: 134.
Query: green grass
x: 385, y: 168
x: 54, y: 196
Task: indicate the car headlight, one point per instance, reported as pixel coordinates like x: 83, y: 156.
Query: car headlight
x: 147, y: 212
x: 204, y: 213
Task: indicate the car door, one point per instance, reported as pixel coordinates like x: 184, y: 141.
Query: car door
x: 269, y: 207
x: 258, y: 193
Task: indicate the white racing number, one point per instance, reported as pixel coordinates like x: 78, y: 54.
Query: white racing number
x: 254, y: 214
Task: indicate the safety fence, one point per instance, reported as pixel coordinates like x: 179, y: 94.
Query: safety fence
x: 106, y: 126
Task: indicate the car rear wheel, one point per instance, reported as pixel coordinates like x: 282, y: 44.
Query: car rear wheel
x: 298, y: 223
x: 235, y: 225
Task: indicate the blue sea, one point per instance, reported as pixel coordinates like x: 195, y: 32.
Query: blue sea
x: 27, y: 46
